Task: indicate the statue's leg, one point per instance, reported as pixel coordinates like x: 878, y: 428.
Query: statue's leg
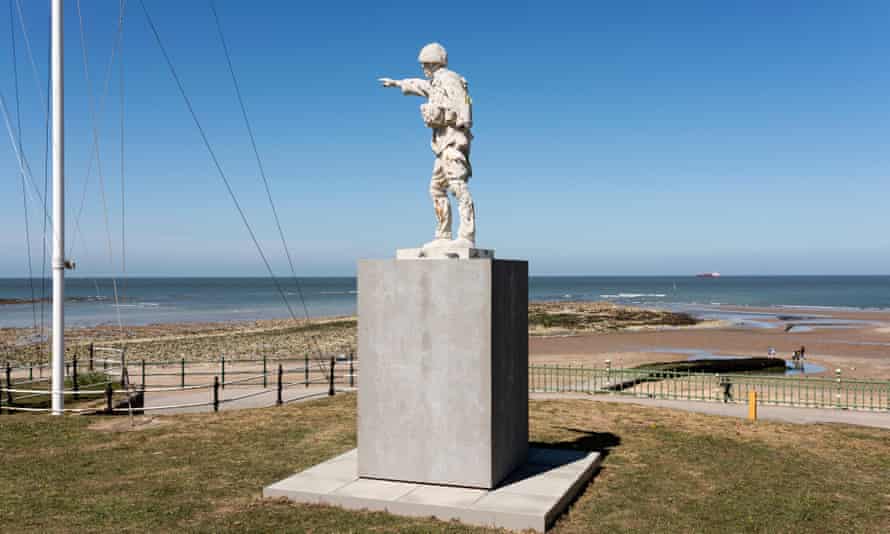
x: 457, y: 171
x: 439, y: 194
x: 467, y: 228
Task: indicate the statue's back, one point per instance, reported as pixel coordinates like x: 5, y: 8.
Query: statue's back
x: 456, y: 98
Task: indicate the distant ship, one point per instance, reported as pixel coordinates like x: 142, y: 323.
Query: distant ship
x: 708, y: 275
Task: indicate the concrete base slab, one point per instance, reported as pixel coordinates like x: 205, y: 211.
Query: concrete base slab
x: 530, y: 498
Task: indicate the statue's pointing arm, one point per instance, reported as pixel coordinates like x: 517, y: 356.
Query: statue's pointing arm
x: 409, y: 86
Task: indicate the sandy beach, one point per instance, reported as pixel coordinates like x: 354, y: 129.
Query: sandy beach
x: 857, y: 342
x: 861, y: 349
x: 275, y: 339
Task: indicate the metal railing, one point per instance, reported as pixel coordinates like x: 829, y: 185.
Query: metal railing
x: 136, y: 379
x: 802, y: 391
x: 340, y: 372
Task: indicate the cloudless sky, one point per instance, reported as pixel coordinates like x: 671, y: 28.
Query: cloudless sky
x: 611, y: 137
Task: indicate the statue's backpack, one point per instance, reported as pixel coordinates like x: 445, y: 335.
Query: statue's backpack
x: 453, y: 98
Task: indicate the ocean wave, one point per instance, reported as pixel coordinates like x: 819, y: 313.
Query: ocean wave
x: 353, y: 292
x: 807, y: 307
x: 827, y: 308
x: 634, y: 296
x: 138, y: 305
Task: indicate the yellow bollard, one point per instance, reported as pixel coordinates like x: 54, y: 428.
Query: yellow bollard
x: 752, y: 405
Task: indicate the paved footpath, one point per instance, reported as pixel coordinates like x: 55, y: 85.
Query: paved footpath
x: 785, y: 414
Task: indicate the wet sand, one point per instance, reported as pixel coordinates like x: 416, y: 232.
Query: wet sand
x: 860, y: 350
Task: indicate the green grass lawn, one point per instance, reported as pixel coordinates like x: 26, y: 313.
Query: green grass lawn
x: 666, y: 471
x: 88, y: 381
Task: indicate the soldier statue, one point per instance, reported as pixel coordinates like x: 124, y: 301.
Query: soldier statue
x: 448, y: 112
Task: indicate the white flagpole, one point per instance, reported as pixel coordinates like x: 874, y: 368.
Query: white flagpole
x: 58, y: 358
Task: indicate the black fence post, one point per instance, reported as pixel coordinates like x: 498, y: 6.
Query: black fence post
x: 108, y: 397
x: 265, y: 376
x: 92, y: 354
x: 74, y: 379
x: 280, y: 400
x: 306, y: 368
x: 143, y: 374
x: 222, y: 364
x: 8, y: 384
x: 30, y: 373
x: 215, y: 393
x: 182, y: 372
x: 123, y: 367
x: 351, y: 371
x: 331, y: 381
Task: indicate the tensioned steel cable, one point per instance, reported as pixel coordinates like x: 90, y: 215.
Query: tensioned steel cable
x: 43, y: 261
x: 95, y: 128
x: 313, y: 340
x: 256, y: 154
x: 213, y: 157
x: 37, y: 78
x: 99, y: 110
x: 18, y: 119
x: 120, y: 64
x: 72, y: 243
x: 278, y: 286
x: 20, y: 156
x: 46, y: 103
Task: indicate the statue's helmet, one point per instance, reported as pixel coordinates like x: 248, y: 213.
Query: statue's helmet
x: 433, y: 53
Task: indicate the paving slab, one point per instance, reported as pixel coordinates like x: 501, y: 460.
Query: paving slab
x: 531, y: 497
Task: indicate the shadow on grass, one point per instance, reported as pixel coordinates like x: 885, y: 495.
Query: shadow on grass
x: 587, y: 440
x: 554, y: 454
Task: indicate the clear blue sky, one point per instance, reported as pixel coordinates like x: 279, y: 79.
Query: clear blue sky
x: 611, y: 138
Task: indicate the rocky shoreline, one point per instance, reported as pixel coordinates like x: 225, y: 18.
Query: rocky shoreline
x: 567, y: 318
x: 289, y: 339
x: 195, y: 341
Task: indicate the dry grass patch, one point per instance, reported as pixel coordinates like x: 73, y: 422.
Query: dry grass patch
x: 665, y: 471
x: 126, y: 424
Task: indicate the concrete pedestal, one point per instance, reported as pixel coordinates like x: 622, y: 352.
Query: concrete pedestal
x: 443, y: 346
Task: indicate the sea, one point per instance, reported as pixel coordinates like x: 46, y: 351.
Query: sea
x: 141, y: 301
